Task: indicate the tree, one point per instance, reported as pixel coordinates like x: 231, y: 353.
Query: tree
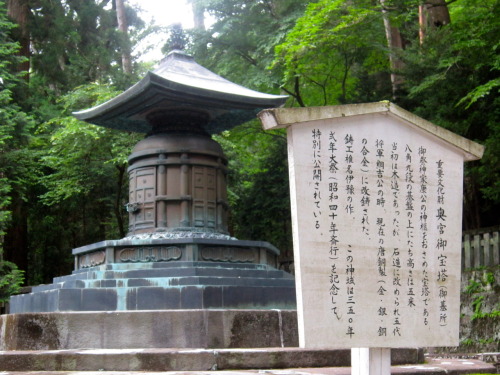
x: 243, y: 37
x: 334, y: 48
x: 121, y: 17
x: 452, y: 80
x: 13, y: 126
x: 432, y: 14
x: 444, y: 69
x: 76, y: 42
x: 198, y: 14
x: 83, y: 188
x: 18, y: 12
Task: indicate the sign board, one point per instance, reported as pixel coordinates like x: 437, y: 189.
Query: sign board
x: 376, y: 207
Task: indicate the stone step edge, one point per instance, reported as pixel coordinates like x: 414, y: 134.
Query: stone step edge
x: 182, y: 283
x: 180, y: 359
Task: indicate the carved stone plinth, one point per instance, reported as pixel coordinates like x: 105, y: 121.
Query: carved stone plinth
x: 171, y: 247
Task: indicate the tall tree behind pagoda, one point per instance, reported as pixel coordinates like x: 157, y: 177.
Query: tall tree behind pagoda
x: 74, y: 42
x: 14, y: 161
x: 85, y: 179
x: 335, y: 54
x: 121, y: 16
x: 239, y: 43
x: 18, y: 12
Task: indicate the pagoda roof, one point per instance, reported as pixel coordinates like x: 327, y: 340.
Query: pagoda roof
x: 179, y: 83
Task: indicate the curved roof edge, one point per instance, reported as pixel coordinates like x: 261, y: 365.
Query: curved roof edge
x: 179, y: 82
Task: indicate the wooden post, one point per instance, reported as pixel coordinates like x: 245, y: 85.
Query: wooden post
x: 370, y: 361
x: 487, y: 253
x: 496, y: 251
x: 468, y: 261
x: 478, y: 259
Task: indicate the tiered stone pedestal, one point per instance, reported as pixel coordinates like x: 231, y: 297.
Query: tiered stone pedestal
x: 164, y: 274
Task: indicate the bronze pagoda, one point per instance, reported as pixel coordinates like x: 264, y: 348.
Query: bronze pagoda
x: 178, y: 253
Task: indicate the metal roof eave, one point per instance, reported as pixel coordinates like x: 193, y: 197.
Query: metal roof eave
x: 124, y: 111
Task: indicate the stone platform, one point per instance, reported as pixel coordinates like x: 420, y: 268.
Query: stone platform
x: 149, y: 329
x: 162, y: 286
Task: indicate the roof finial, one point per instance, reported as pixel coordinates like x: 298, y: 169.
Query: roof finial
x: 177, y: 39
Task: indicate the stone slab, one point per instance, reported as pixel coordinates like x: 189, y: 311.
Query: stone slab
x: 171, y: 359
x: 455, y: 367
x: 149, y: 329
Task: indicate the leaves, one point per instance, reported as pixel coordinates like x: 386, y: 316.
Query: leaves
x: 452, y: 80
x: 11, y: 279
x: 239, y: 44
x: 81, y: 156
x: 480, y: 92
x: 327, y: 50
x: 258, y: 185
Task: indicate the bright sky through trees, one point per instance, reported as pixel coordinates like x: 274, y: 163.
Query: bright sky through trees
x: 166, y: 12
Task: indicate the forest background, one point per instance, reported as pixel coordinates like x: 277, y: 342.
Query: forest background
x: 63, y: 183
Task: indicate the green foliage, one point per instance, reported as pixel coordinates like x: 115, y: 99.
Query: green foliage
x: 11, y: 279
x: 467, y: 342
x: 473, y: 287
x: 80, y: 155
x: 84, y: 161
x: 239, y: 45
x: 487, y: 281
x: 77, y: 42
x: 77, y: 195
x: 15, y: 162
x: 482, y: 315
x: 258, y: 185
x: 477, y: 306
x: 478, y: 288
x: 452, y: 80
x: 333, y: 50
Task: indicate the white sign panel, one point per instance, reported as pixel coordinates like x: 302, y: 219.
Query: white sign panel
x: 377, y: 233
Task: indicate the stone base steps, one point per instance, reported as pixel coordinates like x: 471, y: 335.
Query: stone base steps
x: 162, y: 286
x: 184, y: 359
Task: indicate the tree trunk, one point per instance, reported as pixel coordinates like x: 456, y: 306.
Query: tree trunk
x: 18, y: 11
x: 123, y: 27
x: 16, y: 239
x: 198, y: 15
x: 394, y: 42
x: 432, y: 14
